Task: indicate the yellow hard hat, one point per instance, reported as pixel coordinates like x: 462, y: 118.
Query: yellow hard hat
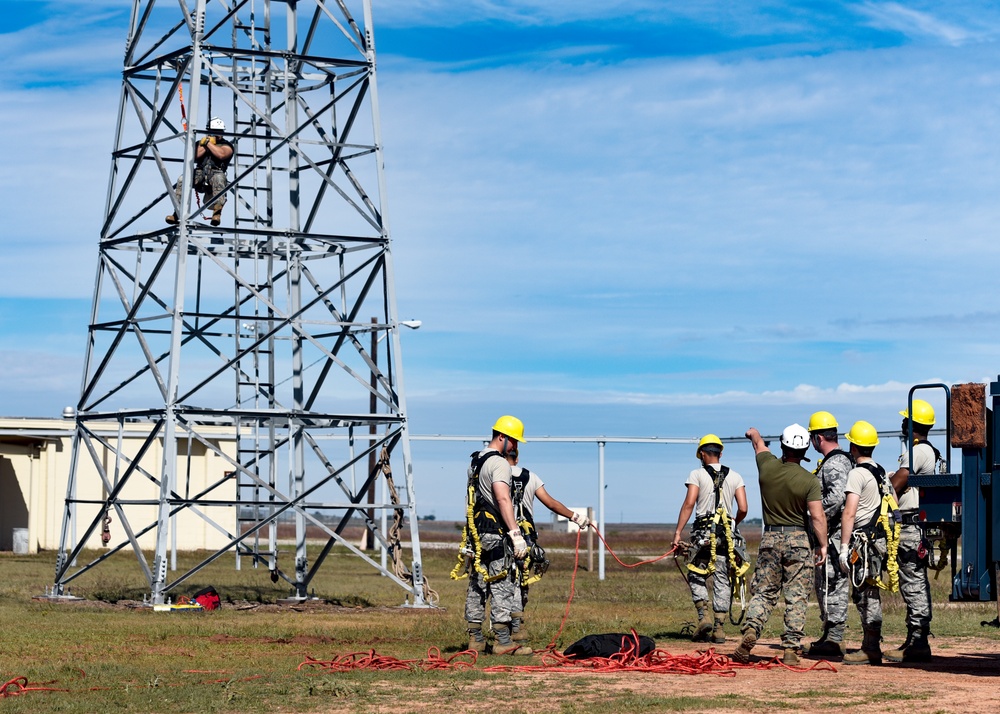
x: 863, y: 434
x: 822, y: 420
x: 923, y: 413
x: 708, y: 439
x: 512, y: 427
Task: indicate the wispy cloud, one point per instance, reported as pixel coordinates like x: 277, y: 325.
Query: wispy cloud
x: 914, y: 23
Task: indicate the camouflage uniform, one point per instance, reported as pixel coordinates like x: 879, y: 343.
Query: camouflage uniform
x: 914, y: 585
x: 504, y: 594
x: 784, y: 565
x: 870, y: 483
x: 831, y: 583
x: 209, y: 178
x: 721, y: 594
x: 495, y: 554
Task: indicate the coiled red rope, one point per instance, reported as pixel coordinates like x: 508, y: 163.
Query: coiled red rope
x: 658, y: 661
x: 20, y: 685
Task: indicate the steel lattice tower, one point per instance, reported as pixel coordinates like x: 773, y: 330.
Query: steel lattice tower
x: 260, y: 329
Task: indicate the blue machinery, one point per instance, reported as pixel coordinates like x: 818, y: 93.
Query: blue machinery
x: 964, y: 504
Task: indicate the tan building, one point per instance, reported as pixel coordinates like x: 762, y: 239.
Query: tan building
x: 35, y: 458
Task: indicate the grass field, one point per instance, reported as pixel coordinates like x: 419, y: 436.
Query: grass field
x: 244, y: 658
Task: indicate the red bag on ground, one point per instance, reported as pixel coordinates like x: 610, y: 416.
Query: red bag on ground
x: 208, y: 598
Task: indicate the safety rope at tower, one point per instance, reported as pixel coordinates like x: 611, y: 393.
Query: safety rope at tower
x: 395, y: 548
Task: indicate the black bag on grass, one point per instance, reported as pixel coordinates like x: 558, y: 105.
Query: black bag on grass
x: 609, y: 644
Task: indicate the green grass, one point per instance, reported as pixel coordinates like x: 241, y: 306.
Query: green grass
x: 245, y: 660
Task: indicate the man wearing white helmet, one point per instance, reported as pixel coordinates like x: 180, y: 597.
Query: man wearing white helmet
x: 789, y: 495
x: 211, y: 158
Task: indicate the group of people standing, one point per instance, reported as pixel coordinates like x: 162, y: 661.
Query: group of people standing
x: 847, y: 527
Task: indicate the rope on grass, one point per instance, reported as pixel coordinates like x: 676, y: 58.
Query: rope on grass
x: 465, y: 659
x: 20, y: 685
x: 658, y: 661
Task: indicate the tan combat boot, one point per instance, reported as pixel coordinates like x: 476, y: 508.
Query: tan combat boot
x: 519, y: 631
x: 791, y: 656
x: 742, y: 653
x: 504, y: 645
x: 916, y: 648
x: 719, y: 633
x: 216, y: 214
x: 870, y: 652
x: 703, y: 631
x: 477, y: 642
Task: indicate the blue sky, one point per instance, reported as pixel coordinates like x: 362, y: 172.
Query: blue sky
x: 645, y: 218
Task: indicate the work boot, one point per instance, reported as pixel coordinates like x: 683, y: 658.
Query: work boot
x: 896, y: 655
x: 719, y: 633
x: 477, y: 642
x: 703, y: 632
x: 870, y: 652
x: 826, y: 648
x: 518, y: 630
x: 791, y: 656
x: 915, y: 649
x: 171, y: 219
x: 216, y: 214
x: 864, y: 657
x: 742, y: 653
x: 504, y: 645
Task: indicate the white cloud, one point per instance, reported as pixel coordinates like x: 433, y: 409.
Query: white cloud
x: 913, y: 23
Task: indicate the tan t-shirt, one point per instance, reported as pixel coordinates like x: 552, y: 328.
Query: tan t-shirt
x: 496, y: 469
x: 528, y: 498
x: 862, y: 482
x: 706, y: 489
x: 923, y: 463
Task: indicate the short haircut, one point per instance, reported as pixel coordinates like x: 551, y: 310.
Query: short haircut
x: 865, y: 450
x: 921, y: 429
x: 713, y: 449
x: 828, y: 434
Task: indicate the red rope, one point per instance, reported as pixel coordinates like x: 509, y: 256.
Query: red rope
x: 19, y: 685
x: 465, y: 659
x: 622, y: 563
x: 658, y: 661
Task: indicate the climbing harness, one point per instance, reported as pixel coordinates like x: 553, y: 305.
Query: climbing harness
x: 716, y: 523
x: 535, y: 564
x: 865, y: 560
x: 832, y: 523
x: 479, y: 517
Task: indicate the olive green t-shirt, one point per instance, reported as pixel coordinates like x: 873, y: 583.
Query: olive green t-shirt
x: 785, y: 488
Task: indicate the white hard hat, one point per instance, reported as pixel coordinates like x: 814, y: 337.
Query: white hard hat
x: 216, y: 124
x: 795, y: 436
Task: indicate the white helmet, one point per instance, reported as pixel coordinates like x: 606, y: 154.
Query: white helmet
x: 795, y: 436
x: 216, y: 124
